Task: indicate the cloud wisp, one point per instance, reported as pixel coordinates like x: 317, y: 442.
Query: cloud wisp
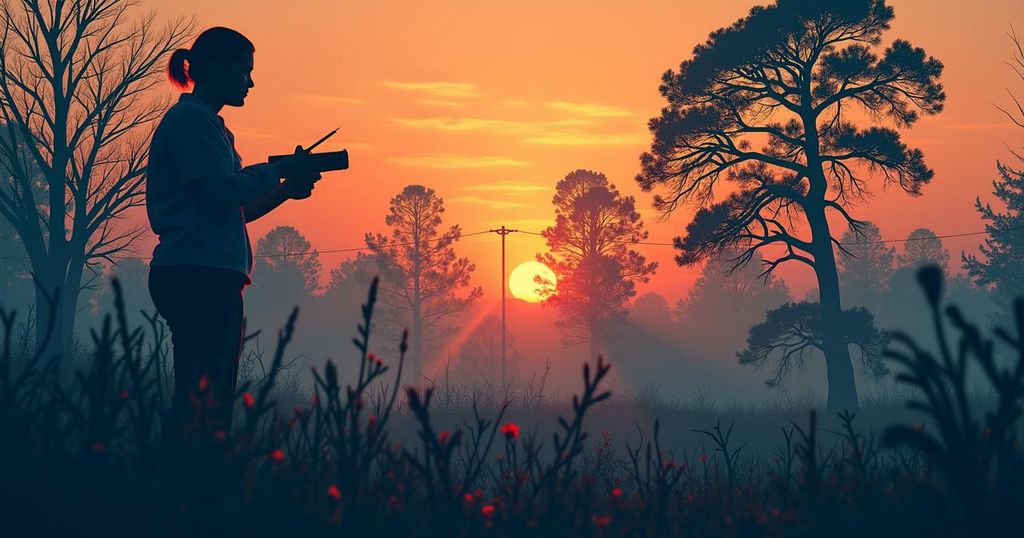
x: 510, y: 187
x: 449, y: 123
x: 453, y: 161
x: 591, y: 109
x: 488, y: 203
x: 436, y: 88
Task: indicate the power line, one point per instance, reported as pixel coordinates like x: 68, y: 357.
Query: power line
x: 483, y: 232
x: 290, y: 254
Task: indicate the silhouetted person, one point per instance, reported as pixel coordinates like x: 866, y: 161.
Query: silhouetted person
x: 199, y: 198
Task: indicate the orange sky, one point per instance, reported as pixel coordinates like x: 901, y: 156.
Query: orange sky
x: 491, y: 103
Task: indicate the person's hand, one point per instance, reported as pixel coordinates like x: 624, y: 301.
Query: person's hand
x: 299, y: 165
x: 300, y: 173
x: 299, y: 188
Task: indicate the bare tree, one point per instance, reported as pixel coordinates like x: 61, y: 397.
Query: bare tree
x: 1016, y: 62
x: 76, y: 117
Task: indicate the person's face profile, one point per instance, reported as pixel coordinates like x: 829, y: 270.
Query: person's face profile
x: 237, y: 80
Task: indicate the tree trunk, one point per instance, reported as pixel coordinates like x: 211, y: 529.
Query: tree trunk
x: 842, y: 386
x: 55, y: 323
x: 417, y: 348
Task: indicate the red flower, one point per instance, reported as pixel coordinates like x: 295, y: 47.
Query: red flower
x: 602, y: 521
x: 487, y: 510
x: 220, y: 435
x: 510, y: 430
x: 333, y: 492
x: 703, y: 458
x: 442, y: 438
x: 98, y: 447
x: 277, y: 455
x: 616, y: 492
x: 203, y: 382
x: 468, y: 498
x: 124, y: 395
x: 248, y: 400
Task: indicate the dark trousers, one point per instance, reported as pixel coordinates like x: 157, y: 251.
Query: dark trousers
x: 203, y: 309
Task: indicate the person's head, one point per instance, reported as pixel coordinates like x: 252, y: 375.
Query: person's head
x: 220, y: 62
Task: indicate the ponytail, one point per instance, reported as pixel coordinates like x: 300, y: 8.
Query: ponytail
x: 211, y: 51
x: 176, y: 71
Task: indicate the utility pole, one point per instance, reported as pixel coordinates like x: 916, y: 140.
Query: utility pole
x: 503, y: 231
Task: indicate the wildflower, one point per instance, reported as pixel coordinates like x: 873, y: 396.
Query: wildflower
x: 602, y: 520
x: 371, y: 357
x: 479, y: 494
x: 124, y: 395
x: 379, y: 363
x: 467, y: 498
x: 204, y: 382
x: 487, y: 510
x: 333, y: 492
x: 219, y: 435
x: 248, y: 400
x: 277, y: 455
x: 703, y: 458
x: 298, y: 411
x: 510, y: 430
x: 442, y: 438
x: 98, y: 447
x: 616, y: 492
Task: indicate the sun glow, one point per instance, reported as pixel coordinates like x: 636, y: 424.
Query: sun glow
x: 522, y: 284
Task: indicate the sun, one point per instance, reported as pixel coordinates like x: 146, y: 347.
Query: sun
x: 522, y: 284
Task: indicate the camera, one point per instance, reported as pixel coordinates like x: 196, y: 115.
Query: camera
x: 326, y: 162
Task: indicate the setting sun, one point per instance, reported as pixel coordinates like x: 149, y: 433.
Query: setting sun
x: 522, y: 284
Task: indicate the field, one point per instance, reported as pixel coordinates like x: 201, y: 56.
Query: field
x: 82, y: 452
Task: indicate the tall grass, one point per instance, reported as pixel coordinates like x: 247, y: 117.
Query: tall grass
x: 81, y: 452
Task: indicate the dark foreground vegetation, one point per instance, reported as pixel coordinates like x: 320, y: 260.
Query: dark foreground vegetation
x: 81, y: 454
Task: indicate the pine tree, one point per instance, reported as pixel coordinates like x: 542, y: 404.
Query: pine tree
x: 865, y: 266
x: 422, y: 279
x: 588, y: 250
x: 1003, y: 266
x: 924, y: 248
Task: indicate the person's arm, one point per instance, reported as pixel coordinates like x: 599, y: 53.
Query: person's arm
x: 266, y: 203
x: 205, y: 163
x: 299, y: 177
